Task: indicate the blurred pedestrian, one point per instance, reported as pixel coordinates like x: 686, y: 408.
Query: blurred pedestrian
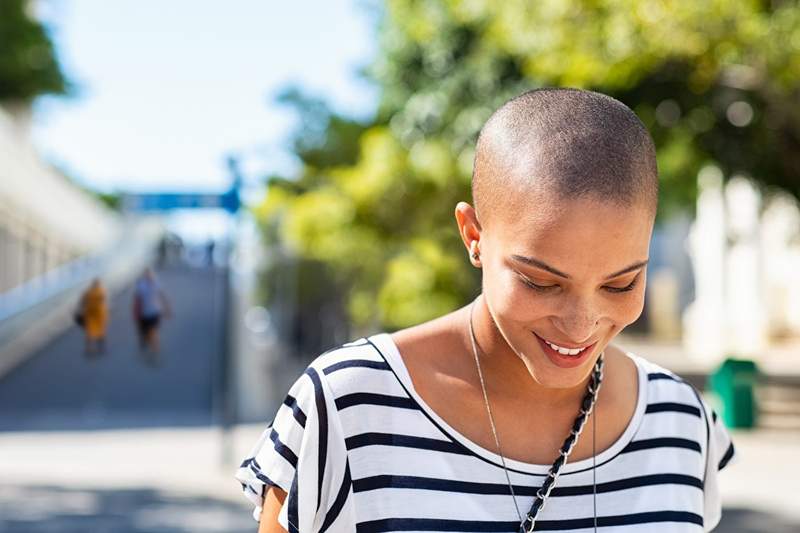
x: 93, y: 310
x: 150, y: 304
x: 163, y: 251
x: 210, y: 245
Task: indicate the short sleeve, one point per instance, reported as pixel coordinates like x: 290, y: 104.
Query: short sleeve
x: 301, y: 452
x: 720, y: 453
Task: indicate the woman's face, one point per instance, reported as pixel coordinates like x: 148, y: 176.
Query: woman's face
x: 571, y: 274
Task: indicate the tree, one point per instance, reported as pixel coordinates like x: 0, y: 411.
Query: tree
x: 28, y: 65
x: 715, y: 82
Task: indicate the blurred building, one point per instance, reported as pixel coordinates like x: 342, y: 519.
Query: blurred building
x: 726, y: 283
x: 745, y: 250
x: 45, y: 221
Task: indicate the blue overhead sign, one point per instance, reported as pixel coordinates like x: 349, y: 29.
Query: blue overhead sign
x: 228, y: 201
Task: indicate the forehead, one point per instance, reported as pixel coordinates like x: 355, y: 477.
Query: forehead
x: 581, y: 237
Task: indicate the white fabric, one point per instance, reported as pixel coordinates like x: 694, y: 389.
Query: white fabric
x: 390, y: 463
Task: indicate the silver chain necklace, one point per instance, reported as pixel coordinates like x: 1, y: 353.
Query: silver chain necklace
x: 527, y: 524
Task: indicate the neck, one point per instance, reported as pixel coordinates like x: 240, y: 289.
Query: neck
x: 507, y: 371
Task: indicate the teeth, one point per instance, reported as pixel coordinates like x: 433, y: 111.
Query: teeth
x: 565, y: 351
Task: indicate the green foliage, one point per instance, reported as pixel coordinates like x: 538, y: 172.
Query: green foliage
x: 28, y: 66
x: 324, y: 139
x: 111, y: 200
x: 714, y: 81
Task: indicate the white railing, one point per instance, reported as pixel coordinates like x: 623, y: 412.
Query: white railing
x: 53, y: 282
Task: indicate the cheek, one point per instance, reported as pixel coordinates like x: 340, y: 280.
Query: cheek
x: 628, y: 309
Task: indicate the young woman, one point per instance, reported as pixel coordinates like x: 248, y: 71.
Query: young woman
x: 514, y: 413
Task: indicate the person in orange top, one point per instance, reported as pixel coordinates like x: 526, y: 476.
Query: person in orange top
x: 95, y: 317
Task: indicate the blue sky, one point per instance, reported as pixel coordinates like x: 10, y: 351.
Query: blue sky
x: 167, y: 88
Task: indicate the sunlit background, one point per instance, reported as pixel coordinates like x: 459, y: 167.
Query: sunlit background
x: 288, y: 170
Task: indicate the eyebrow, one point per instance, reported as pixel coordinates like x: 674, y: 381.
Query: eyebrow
x: 544, y: 266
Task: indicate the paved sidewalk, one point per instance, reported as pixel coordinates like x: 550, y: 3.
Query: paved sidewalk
x: 777, y: 360
x: 123, y: 481
x: 172, y: 480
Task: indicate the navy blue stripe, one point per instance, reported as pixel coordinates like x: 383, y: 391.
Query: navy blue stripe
x: 649, y: 444
x: 251, y: 464
x: 283, y: 449
x: 630, y: 483
x: 433, y: 524
x: 661, y: 375
x: 672, y: 407
x: 297, y: 412
x: 260, y: 475
x: 247, y: 488
x: 359, y: 363
x: 430, y: 524
x: 445, y: 485
x: 406, y: 441
x: 368, y: 398
x: 322, y: 415
x: 292, y: 514
x: 620, y: 520
x: 708, y: 428
x: 727, y: 457
x: 341, y: 498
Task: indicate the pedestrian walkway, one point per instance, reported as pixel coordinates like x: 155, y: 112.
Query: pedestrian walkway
x: 59, y: 388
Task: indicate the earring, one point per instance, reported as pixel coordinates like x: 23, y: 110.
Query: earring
x: 474, y: 249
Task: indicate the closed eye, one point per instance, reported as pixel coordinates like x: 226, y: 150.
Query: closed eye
x: 536, y: 286
x: 626, y: 288
x: 614, y: 290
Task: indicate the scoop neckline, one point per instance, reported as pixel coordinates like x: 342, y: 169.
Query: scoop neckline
x: 387, y: 347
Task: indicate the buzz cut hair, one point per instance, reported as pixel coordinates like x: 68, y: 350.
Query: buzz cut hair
x: 574, y: 143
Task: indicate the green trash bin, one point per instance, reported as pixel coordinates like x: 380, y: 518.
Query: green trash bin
x: 734, y: 383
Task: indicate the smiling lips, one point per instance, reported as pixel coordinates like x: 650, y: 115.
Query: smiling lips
x: 563, y: 350
x: 563, y: 356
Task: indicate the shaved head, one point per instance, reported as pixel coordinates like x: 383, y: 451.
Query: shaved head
x: 569, y: 143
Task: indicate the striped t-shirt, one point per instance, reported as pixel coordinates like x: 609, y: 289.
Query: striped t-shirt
x: 358, y: 450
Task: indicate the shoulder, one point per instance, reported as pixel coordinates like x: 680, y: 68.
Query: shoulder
x: 663, y: 384
x: 353, y: 367
x: 357, y: 353
x: 675, y: 404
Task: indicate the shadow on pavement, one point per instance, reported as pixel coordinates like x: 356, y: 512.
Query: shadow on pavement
x: 738, y: 520
x: 99, y: 419
x: 39, y: 509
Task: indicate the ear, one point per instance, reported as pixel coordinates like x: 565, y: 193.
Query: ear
x: 469, y: 229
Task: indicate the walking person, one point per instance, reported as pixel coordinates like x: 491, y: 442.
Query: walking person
x: 515, y: 412
x: 93, y: 310
x: 150, y: 305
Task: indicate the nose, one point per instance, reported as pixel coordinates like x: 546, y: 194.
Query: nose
x: 578, y: 322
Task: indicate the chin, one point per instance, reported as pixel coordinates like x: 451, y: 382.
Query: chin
x: 561, y: 379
